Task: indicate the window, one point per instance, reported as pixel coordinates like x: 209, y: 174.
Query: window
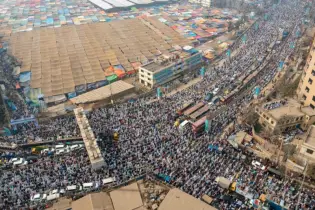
x: 288, y: 121
x: 149, y: 79
x: 313, y: 72
x: 304, y: 97
x: 264, y: 116
x: 307, y: 89
x: 301, y: 118
x: 142, y: 71
x: 149, y: 74
x: 142, y: 75
x: 310, y: 81
x: 267, y: 118
x: 312, y: 106
x: 313, y: 98
x: 272, y: 122
x: 309, y: 151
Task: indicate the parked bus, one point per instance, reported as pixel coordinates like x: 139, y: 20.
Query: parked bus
x: 185, y: 107
x: 199, y: 125
x: 193, y: 109
x: 109, y: 180
x: 199, y: 113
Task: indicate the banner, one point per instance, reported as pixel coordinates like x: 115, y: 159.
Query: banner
x: 266, y: 17
x: 202, y: 71
x: 228, y: 53
x: 281, y: 64
x: 159, y: 93
x: 207, y: 125
x: 244, y: 38
x: 256, y: 26
x: 298, y: 33
x: 257, y: 91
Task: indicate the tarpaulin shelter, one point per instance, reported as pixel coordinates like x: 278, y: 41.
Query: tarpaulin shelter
x: 112, y: 78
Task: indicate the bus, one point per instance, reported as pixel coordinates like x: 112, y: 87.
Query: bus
x: 226, y: 99
x: 199, y: 113
x: 185, y: 107
x: 193, y: 109
x: 199, y: 125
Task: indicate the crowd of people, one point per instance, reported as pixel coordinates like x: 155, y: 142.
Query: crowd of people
x: 149, y: 141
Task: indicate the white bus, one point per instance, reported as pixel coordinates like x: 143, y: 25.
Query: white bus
x: 109, y: 180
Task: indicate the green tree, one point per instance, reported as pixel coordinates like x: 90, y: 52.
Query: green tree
x: 311, y: 170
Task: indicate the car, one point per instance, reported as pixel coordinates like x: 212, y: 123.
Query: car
x: 215, y: 91
x: 209, y: 97
x: 257, y: 164
x: 19, y: 162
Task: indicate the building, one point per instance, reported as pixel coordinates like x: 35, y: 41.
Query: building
x: 168, y: 67
x: 204, y: 3
x: 93, y: 151
x: 285, y: 115
x: 177, y: 199
x: 93, y: 201
x: 306, y: 88
x: 308, y: 145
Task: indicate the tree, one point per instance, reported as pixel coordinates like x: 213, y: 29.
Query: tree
x: 289, y: 150
x: 250, y: 117
x: 311, y: 170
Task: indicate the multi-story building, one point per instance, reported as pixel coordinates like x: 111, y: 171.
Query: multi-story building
x: 306, y: 88
x: 204, y: 3
x: 308, y: 146
x: 285, y: 115
x: 168, y: 67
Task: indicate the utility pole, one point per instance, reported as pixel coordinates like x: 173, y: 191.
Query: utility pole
x: 299, y: 198
x: 280, y: 149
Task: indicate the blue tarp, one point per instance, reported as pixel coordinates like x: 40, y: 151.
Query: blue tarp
x: 165, y: 177
x: 71, y: 95
x: 11, y: 105
x: 80, y: 89
x: 101, y: 83
x: 50, y: 21
x: 91, y: 86
x: 25, y: 76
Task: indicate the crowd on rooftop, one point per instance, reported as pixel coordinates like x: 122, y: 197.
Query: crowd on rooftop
x: 149, y: 141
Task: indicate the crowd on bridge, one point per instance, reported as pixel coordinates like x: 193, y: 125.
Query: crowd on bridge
x: 149, y: 141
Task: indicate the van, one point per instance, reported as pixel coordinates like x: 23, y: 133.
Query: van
x: 87, y: 185
x: 74, y: 147
x: 71, y: 188
x: 214, y: 101
x: 108, y: 180
x: 183, y: 124
x: 53, y: 197
x: 60, y: 151
x: 59, y: 146
x: 215, y: 91
x: 20, y: 161
x: 38, y: 197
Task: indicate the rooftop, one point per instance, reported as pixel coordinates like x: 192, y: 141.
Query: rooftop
x: 102, y: 93
x: 177, y: 199
x: 308, y: 111
x: 100, y: 201
x: 310, y: 138
x: 278, y: 109
x: 60, y: 59
x: 164, y: 60
x: 127, y: 197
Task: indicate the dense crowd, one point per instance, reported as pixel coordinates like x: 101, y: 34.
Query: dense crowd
x: 149, y: 141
